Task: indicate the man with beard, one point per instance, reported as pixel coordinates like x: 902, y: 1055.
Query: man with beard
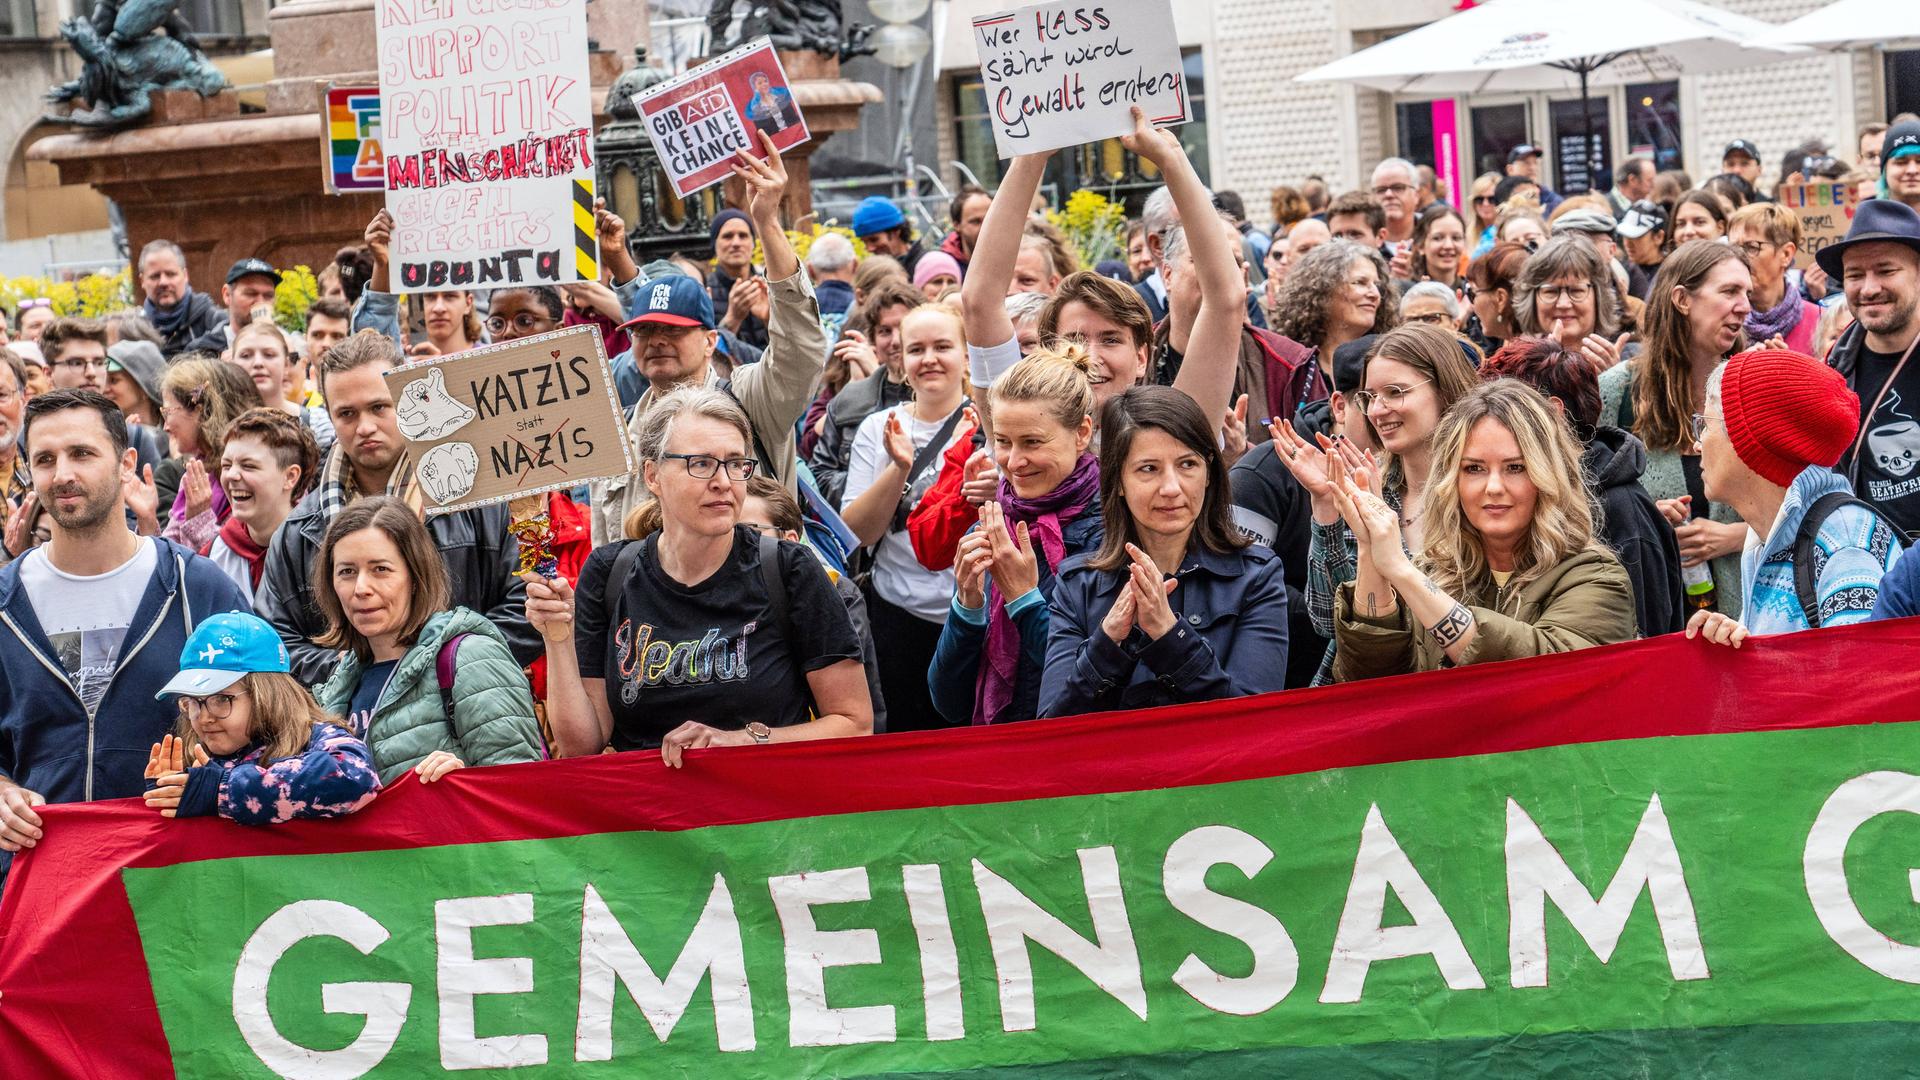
x: 370, y: 458
x: 174, y: 309
x: 91, y: 623
x: 250, y: 284
x: 1878, y: 266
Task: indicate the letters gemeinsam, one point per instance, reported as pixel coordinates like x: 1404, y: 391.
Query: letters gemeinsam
x: 700, y: 120
x: 487, y: 111
x: 1061, y: 74
x: 517, y: 418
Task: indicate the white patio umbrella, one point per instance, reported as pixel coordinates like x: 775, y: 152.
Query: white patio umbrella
x: 1533, y: 45
x: 1848, y: 24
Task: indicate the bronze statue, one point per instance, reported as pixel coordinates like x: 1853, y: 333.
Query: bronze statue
x: 128, y: 51
x: 794, y: 25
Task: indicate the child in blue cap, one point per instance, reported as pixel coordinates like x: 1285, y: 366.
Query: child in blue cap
x: 262, y: 751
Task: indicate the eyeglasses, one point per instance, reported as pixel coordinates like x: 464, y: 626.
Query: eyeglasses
x: 762, y: 528
x: 81, y: 363
x: 703, y: 466
x: 1576, y: 294
x: 1393, y: 189
x: 1755, y: 248
x: 1467, y: 290
x: 1437, y: 318
x: 1700, y: 425
x: 217, y: 706
x: 525, y: 322
x: 1391, y: 396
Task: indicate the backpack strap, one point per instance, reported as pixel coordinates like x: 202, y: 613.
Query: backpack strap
x: 443, y: 667
x: 617, y: 579
x: 776, y: 586
x: 1806, y: 585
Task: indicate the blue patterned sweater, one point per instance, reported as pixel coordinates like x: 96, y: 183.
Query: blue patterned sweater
x: 333, y: 778
x: 1852, y: 551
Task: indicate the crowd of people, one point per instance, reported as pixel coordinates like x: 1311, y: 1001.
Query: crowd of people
x: 956, y: 481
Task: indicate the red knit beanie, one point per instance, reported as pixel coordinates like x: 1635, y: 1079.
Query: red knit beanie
x: 1785, y: 411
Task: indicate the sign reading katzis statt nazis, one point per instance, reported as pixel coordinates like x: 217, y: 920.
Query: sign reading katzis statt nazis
x: 487, y: 122
x: 519, y: 418
x: 1062, y: 74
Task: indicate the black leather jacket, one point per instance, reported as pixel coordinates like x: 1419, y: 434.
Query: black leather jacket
x: 480, y: 554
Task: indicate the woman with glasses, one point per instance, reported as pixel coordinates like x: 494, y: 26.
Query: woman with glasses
x: 1432, y: 303
x: 1489, y: 290
x: 896, y: 456
x: 429, y: 686
x: 1565, y: 291
x: 1335, y: 293
x: 706, y: 632
x: 1696, y: 317
x: 1769, y: 235
x: 1507, y: 565
x: 1412, y: 377
x: 1175, y: 605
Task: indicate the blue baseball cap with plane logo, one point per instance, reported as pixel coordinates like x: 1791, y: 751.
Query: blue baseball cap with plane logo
x: 223, y: 648
x: 671, y: 300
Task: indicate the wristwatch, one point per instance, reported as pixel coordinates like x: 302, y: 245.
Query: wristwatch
x: 760, y: 732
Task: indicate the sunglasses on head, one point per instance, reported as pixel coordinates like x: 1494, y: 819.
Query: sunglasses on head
x: 33, y: 302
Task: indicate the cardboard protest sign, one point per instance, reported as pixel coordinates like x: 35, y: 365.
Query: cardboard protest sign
x: 487, y: 115
x: 1825, y: 209
x: 518, y: 418
x: 1061, y: 74
x: 700, y: 119
x: 350, y: 134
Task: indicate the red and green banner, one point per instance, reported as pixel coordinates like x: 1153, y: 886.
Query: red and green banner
x: 1660, y: 859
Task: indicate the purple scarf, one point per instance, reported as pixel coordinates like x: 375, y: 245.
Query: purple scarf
x: 1780, y: 319
x: 1045, y: 517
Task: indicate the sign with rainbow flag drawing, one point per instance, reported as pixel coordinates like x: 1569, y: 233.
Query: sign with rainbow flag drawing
x: 1660, y: 859
x: 353, y: 160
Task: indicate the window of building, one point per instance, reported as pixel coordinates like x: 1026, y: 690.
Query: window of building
x: 1903, y: 81
x: 1653, y: 123
x: 1103, y: 166
x: 1497, y: 129
x: 17, y: 19
x: 1580, y: 159
x: 208, y: 18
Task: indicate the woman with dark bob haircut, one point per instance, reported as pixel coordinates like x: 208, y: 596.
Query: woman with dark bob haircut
x: 383, y: 589
x: 1174, y: 605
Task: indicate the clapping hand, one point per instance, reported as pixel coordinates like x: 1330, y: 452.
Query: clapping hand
x: 899, y: 444
x: 970, y: 562
x: 1374, y: 524
x: 980, y: 481
x: 137, y: 490
x: 1015, y: 569
x: 198, y: 488
x: 1152, y: 614
x: 166, y: 767
x: 1233, y: 432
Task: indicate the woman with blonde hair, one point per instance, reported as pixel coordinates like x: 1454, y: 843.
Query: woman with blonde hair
x: 200, y: 399
x: 262, y: 351
x: 1508, y: 565
x: 707, y: 632
x: 1485, y: 211
x: 992, y: 652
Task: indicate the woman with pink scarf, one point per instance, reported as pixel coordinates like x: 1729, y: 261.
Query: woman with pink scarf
x: 986, y: 668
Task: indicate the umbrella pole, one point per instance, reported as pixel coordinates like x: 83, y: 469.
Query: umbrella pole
x: 1586, y: 124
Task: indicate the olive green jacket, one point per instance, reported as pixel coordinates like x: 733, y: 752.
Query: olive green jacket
x: 1585, y: 601
x: 493, y: 721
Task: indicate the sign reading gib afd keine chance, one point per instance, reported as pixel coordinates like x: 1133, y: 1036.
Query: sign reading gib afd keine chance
x: 1061, y: 74
x: 487, y: 119
x: 698, y: 121
x: 519, y: 418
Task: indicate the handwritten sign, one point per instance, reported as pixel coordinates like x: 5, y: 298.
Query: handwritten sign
x: 698, y: 121
x: 1825, y: 209
x: 487, y: 117
x: 518, y: 418
x: 1061, y: 74
x: 351, y: 155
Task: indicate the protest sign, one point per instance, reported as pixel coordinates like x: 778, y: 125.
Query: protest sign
x: 1825, y: 209
x: 487, y: 116
x: 698, y: 121
x: 1062, y: 74
x: 518, y: 418
x: 351, y: 154
x: 1291, y: 885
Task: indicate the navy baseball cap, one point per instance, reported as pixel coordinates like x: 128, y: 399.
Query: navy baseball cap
x: 671, y: 300
x: 1524, y: 150
x: 246, y: 267
x: 222, y: 649
x: 1741, y: 146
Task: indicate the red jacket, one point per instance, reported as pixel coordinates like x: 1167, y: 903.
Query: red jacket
x: 572, y: 543
x: 944, y: 515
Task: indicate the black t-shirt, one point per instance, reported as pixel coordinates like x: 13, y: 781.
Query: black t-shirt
x: 1889, y: 465
x: 704, y: 652
x: 1271, y: 508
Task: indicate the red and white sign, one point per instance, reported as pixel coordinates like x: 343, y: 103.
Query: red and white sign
x: 700, y: 120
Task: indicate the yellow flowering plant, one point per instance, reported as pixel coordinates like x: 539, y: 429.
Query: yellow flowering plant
x: 92, y: 296
x: 297, y: 292
x: 1095, y: 226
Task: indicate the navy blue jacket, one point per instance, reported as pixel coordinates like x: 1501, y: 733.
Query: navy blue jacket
x: 1900, y: 589
x: 955, y: 671
x: 47, y: 743
x: 1229, y: 638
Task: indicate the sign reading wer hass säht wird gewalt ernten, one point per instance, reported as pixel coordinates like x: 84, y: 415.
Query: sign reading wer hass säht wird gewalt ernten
x: 516, y: 418
x: 1062, y: 74
x: 700, y: 120
x: 487, y: 116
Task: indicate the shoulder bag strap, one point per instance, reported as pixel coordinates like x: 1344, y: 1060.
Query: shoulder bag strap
x: 1853, y: 456
x: 926, y: 456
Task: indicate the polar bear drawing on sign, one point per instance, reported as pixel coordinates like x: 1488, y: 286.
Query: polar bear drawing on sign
x: 427, y: 412
x: 447, y: 471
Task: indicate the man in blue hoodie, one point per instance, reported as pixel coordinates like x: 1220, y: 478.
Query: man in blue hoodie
x: 91, y: 623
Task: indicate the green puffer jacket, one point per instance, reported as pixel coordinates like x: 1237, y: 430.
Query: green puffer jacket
x: 493, y: 720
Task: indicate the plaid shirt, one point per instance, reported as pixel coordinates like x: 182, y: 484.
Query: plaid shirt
x: 336, y: 488
x: 1332, y: 554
